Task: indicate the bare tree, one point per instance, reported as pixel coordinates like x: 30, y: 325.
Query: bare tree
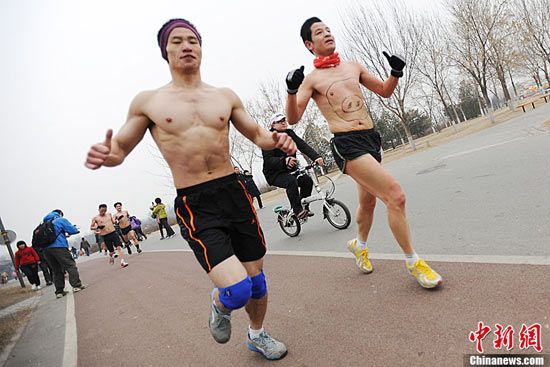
x: 503, y: 50
x: 434, y: 63
x: 474, y: 24
x: 533, y: 25
x: 368, y: 30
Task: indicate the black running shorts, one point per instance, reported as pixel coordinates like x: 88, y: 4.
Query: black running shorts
x: 350, y: 145
x: 126, y: 230
x: 218, y: 220
x: 112, y: 241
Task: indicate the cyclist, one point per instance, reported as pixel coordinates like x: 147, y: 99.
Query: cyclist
x: 278, y: 167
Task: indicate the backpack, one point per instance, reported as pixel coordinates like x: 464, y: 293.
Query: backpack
x: 44, y: 235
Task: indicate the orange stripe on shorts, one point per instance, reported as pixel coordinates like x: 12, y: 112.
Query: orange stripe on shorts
x: 191, y: 234
x: 253, y: 211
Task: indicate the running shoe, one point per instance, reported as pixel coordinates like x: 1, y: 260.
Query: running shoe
x: 424, y: 274
x: 270, y: 348
x: 219, y: 323
x: 361, y: 256
x: 78, y: 289
x: 123, y: 263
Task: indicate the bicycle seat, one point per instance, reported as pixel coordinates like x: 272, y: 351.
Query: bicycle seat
x: 278, y: 208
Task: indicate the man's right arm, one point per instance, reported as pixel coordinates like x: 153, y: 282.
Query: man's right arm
x: 113, y: 150
x: 298, y: 95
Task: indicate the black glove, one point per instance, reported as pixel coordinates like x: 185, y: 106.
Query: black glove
x: 293, y: 80
x: 397, y: 64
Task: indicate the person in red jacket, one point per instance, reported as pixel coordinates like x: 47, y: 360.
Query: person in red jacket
x: 27, y: 260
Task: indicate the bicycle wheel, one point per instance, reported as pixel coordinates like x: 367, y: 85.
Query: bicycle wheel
x: 289, y: 224
x: 337, y: 214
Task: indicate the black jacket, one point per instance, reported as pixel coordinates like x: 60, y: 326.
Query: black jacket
x: 274, y: 160
x: 251, y: 186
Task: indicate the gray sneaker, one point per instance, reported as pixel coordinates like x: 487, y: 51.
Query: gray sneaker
x: 270, y: 348
x: 78, y: 289
x: 219, y: 323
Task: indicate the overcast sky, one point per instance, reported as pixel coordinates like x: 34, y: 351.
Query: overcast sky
x: 69, y: 70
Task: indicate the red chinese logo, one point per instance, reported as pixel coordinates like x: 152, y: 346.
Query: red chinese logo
x: 478, y: 335
x: 529, y: 336
x: 504, y: 336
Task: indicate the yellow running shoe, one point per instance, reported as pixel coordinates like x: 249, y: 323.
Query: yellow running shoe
x: 424, y: 274
x: 361, y: 256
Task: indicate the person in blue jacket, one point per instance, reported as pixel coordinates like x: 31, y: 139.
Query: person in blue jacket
x: 58, y: 255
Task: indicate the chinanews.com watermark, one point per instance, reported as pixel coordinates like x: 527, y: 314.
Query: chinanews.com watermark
x: 528, y: 338
x: 506, y: 360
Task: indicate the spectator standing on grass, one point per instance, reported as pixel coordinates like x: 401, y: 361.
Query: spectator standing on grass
x: 27, y: 260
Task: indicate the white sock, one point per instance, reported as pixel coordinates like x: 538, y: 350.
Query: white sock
x: 255, y: 333
x: 411, y: 258
x: 361, y: 244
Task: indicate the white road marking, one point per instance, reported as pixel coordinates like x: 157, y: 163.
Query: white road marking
x: 70, y: 354
x: 479, y: 259
x: 478, y: 149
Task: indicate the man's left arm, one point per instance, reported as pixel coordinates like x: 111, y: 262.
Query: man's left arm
x: 383, y: 88
x: 254, y: 132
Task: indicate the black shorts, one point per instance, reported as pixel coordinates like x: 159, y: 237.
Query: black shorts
x: 354, y: 144
x: 218, y: 220
x: 126, y: 230
x: 112, y: 241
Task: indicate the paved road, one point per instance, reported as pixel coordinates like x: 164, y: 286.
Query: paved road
x: 484, y: 194
x: 154, y: 313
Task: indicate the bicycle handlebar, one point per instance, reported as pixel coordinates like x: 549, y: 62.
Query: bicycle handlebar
x: 310, y: 166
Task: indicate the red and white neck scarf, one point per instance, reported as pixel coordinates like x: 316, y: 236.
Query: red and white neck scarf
x: 330, y: 61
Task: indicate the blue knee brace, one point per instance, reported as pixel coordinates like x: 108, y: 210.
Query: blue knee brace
x: 237, y: 295
x: 259, y: 286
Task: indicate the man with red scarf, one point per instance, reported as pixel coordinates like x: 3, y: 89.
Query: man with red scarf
x: 335, y: 86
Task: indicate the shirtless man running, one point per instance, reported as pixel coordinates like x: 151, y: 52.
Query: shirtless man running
x: 122, y: 218
x: 335, y: 87
x: 189, y: 121
x: 103, y: 225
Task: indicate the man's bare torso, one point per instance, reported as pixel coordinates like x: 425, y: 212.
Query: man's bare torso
x: 122, y: 218
x: 191, y: 130
x: 104, y: 224
x: 338, y: 96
